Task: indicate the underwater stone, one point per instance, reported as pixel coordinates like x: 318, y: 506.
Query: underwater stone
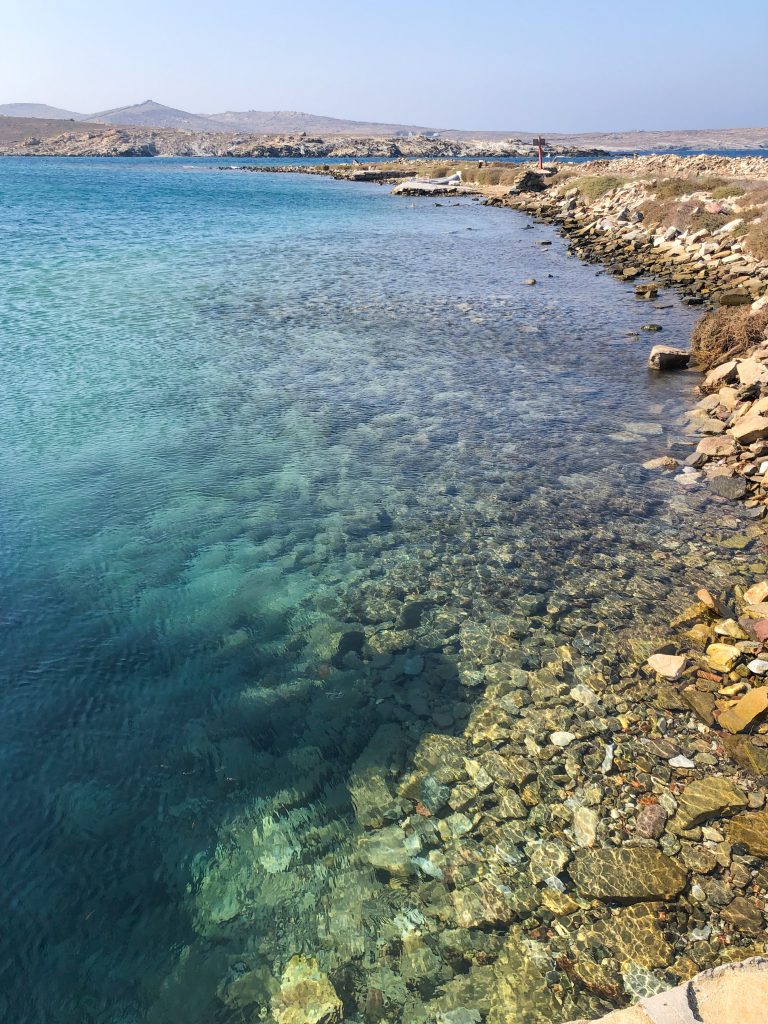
x: 306, y: 995
x: 627, y: 873
x: 751, y: 830
x: 632, y: 934
x: 385, y: 850
x: 708, y: 798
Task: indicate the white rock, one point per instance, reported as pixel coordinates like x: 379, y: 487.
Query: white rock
x: 585, y: 822
x: 758, y: 666
x: 562, y: 739
x: 681, y: 762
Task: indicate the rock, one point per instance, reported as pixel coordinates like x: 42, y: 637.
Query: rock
x: 745, y: 711
x: 722, y: 657
x: 653, y: 328
x: 434, y: 794
x: 651, y: 821
x: 670, y: 666
x: 489, y: 902
x: 751, y: 830
x: 730, y: 628
x: 717, y: 446
x: 744, y: 916
x: 758, y: 666
x: 523, y: 992
x: 751, y: 428
x: 627, y: 873
x: 681, y: 761
x: 585, y: 822
x: 664, y: 357
x: 385, y: 850
x: 731, y: 487
x: 735, y: 299
x: 562, y: 739
x: 744, y: 752
x: 723, y: 374
x: 708, y: 798
x: 530, y: 280
x: 306, y: 995
x: 632, y: 934
x: 663, y: 462
x: 547, y: 859
x: 752, y: 371
x: 757, y: 593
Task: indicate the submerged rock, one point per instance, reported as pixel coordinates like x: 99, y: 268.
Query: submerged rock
x: 708, y: 798
x: 306, y: 995
x: 627, y: 873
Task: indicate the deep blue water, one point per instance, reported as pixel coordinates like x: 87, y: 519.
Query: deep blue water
x: 243, y: 416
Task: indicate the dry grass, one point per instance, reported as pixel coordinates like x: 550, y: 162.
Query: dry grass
x: 674, y: 188
x: 595, y: 186
x: 687, y: 216
x: 500, y: 174
x: 727, y: 191
x: 756, y: 238
x: 725, y: 333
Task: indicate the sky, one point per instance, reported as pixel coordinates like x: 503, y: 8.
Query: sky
x: 503, y: 64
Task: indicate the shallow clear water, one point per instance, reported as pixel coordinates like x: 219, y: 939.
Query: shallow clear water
x: 244, y: 417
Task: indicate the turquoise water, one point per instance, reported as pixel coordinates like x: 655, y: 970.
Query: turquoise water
x: 246, y: 420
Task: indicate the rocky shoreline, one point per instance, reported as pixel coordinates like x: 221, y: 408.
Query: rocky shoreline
x: 159, y: 142
x: 598, y: 832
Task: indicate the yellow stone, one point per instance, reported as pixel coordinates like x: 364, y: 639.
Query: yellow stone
x: 757, y: 593
x: 722, y: 657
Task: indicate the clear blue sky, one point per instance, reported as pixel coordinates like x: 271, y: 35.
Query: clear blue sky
x: 540, y: 65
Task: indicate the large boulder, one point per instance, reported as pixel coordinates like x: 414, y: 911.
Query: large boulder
x: 665, y: 357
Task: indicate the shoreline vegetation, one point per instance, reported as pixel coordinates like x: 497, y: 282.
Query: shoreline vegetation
x: 663, y: 843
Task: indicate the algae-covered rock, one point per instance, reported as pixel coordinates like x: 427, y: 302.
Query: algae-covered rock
x: 751, y: 830
x: 627, y: 873
x: 306, y: 995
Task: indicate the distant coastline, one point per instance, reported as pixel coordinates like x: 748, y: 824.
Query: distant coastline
x: 56, y: 136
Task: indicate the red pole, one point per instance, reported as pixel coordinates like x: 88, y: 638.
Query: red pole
x: 541, y: 157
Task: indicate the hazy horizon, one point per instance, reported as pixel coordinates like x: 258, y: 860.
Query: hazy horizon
x: 559, y: 69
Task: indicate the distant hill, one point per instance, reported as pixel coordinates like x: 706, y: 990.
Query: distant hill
x: 38, y: 110
x: 285, y: 122
x: 150, y: 114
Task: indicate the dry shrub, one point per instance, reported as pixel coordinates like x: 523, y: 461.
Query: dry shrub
x: 673, y: 188
x: 704, y: 221
x: 756, y: 239
x: 498, y: 174
x: 595, y: 186
x: 757, y: 196
x: 725, y: 333
x: 727, y: 191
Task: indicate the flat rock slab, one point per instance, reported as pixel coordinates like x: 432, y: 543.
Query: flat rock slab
x: 627, y: 873
x: 730, y: 994
x: 708, y: 798
x: 670, y: 666
x: 745, y: 711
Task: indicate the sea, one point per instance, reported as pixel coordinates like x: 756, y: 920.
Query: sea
x: 276, y: 450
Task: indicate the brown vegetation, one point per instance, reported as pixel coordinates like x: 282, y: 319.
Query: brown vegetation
x: 725, y: 333
x: 595, y: 186
x: 756, y: 238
